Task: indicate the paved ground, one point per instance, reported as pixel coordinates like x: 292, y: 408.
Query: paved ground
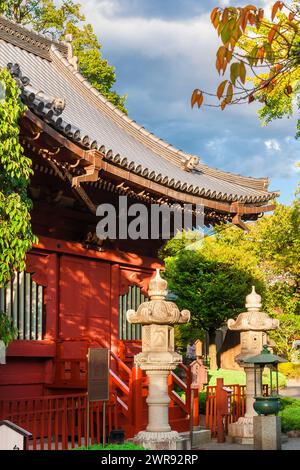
x: 292, y: 389
x: 291, y: 444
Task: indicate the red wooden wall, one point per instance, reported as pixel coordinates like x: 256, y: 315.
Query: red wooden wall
x: 82, y: 289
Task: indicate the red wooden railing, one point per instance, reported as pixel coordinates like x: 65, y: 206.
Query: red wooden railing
x: 59, y: 422
x: 236, y: 406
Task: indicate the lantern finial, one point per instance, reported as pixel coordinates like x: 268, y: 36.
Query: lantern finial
x: 253, y: 301
x: 157, y: 287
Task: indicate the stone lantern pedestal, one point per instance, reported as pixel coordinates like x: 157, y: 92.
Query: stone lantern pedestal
x: 253, y: 325
x: 158, y: 358
x: 267, y: 432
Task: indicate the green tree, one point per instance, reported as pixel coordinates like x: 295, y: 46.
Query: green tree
x: 284, y: 336
x: 274, y: 241
x: 212, y: 283
x: 46, y: 16
x: 16, y: 236
x: 213, y: 278
x: 267, y: 50
x: 278, y: 241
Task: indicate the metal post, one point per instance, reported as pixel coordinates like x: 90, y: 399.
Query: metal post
x: 192, y: 417
x: 87, y: 421
x: 104, y: 423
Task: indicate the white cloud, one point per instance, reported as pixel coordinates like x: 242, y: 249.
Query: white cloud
x: 273, y: 144
x: 151, y: 37
x: 160, y: 60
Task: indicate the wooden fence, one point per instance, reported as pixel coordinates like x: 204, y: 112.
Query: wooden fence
x: 229, y: 406
x: 59, y: 422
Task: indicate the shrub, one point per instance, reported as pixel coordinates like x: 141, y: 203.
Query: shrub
x: 202, y: 403
x: 125, y: 446
x: 239, y: 377
x: 290, y: 369
x: 8, y: 332
x: 288, y: 401
x: 290, y: 418
x: 229, y: 376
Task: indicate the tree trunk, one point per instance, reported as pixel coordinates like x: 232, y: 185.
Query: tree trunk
x: 212, y: 350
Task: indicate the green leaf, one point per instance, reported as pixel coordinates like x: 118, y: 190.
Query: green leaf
x: 234, y: 72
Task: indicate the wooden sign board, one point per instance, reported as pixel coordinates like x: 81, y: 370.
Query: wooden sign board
x: 98, y: 374
x: 199, y: 348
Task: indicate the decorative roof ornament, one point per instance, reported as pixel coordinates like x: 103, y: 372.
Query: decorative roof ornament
x: 253, y: 319
x: 158, y: 310
x: 189, y: 163
x: 72, y: 59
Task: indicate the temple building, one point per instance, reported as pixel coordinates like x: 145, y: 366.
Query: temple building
x: 84, y: 151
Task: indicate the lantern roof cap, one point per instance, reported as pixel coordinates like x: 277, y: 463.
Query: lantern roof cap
x: 265, y: 357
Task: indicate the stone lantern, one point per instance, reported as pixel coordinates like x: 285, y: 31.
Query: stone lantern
x: 253, y: 325
x: 158, y: 358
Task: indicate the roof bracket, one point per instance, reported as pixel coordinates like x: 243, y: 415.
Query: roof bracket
x: 237, y: 220
x: 91, y: 173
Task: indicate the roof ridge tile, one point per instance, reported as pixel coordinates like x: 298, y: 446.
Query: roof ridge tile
x: 28, y: 39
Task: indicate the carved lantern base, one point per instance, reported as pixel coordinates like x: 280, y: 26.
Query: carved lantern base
x: 159, y: 440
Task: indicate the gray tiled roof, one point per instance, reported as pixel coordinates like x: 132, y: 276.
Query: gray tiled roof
x: 103, y: 126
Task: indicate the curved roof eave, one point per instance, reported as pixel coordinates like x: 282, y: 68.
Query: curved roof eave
x: 199, y: 180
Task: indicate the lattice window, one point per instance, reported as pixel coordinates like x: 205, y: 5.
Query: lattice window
x: 128, y: 301
x: 23, y: 301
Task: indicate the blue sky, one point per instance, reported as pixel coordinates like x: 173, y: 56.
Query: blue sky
x: 162, y: 50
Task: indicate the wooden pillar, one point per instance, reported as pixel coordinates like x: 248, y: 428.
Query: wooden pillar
x: 114, y: 317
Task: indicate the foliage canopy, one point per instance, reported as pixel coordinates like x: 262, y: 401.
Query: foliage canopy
x: 213, y: 279
x: 267, y: 48
x: 16, y: 236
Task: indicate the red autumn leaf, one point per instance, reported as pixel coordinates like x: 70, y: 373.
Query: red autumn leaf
x: 277, y: 6
x: 244, y: 19
x: 200, y: 99
x: 292, y: 16
x: 229, y: 94
x: 272, y: 33
x: 261, y: 14
x: 288, y: 90
x: 250, y: 7
x: 261, y: 53
x: 229, y: 55
x: 221, y: 88
x: 223, y: 104
x: 225, y: 16
x: 221, y: 54
x: 213, y: 13
x: 252, y: 18
x: 195, y: 97
x: 216, y: 21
